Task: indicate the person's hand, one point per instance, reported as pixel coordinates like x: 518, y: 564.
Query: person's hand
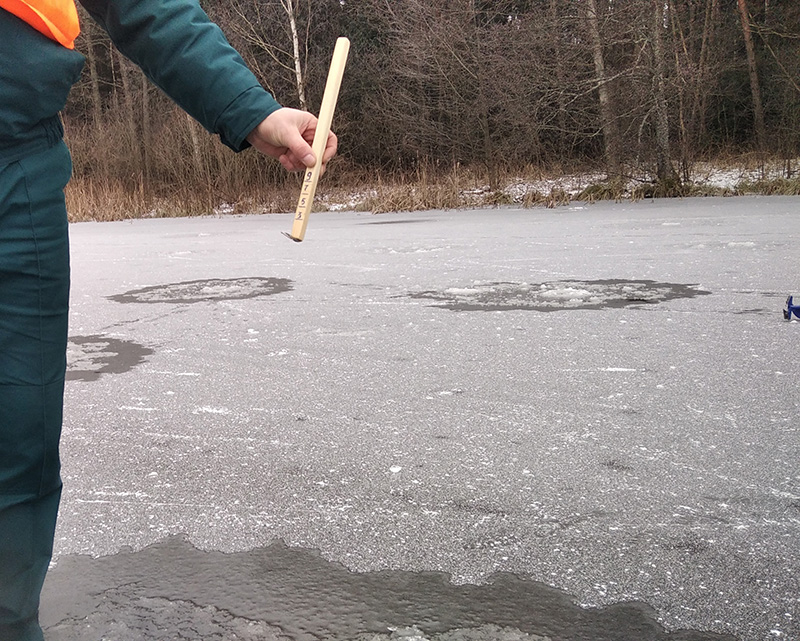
x: 287, y: 134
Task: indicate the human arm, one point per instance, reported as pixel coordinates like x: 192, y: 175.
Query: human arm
x: 188, y: 57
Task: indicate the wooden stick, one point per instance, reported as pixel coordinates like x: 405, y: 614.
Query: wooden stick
x: 326, y: 110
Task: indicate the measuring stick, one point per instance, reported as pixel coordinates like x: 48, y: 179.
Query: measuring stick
x: 311, y: 178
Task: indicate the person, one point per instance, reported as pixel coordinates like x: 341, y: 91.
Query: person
x: 185, y: 54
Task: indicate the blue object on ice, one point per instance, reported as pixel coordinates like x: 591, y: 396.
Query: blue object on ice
x: 791, y: 309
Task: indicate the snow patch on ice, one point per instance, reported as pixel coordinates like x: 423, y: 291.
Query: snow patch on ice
x: 566, y: 293
x: 211, y: 410
x: 555, y: 295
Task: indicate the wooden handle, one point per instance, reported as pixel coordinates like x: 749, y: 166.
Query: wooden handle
x: 329, y: 98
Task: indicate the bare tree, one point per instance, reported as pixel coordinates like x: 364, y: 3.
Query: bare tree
x: 492, y: 85
x: 608, y: 122
x: 94, y: 77
x: 665, y: 171
x: 559, y: 70
x: 131, y: 117
x: 693, y: 34
x: 752, y: 69
x: 254, y: 22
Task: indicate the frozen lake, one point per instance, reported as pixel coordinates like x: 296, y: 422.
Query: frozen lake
x: 600, y: 399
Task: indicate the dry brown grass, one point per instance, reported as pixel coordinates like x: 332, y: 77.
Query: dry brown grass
x: 556, y: 197
x: 422, y: 190
x: 102, y: 201
x: 410, y: 197
x: 186, y: 172
x: 770, y: 187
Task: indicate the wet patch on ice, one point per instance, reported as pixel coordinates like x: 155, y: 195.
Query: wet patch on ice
x: 756, y: 311
x: 211, y: 289
x: 616, y: 465
x: 690, y: 544
x: 89, y: 357
x: 405, y: 221
x: 173, y: 590
x: 556, y: 295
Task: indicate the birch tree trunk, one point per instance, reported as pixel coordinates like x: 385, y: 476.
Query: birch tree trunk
x: 197, y: 152
x: 290, y: 8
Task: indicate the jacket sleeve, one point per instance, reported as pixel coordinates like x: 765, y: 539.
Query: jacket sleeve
x: 188, y: 57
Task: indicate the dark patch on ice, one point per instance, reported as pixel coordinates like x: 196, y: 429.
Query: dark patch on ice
x: 760, y: 311
x: 369, y: 286
x: 405, y: 221
x: 495, y: 541
x: 211, y: 289
x: 171, y: 590
x: 557, y: 295
x: 758, y: 292
x: 690, y: 544
x: 478, y: 508
x: 617, y: 466
x: 88, y: 357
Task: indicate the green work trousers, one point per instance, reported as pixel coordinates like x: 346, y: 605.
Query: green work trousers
x: 34, y: 298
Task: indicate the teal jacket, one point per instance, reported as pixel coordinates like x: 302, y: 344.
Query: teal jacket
x: 174, y: 43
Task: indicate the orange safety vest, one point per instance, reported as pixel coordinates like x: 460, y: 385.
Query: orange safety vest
x: 57, y: 19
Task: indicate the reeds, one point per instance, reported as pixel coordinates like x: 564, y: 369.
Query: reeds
x: 176, y: 169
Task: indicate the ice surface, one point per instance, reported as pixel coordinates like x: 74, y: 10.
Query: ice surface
x: 643, y: 448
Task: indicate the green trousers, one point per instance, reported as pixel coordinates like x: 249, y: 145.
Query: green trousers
x: 34, y: 298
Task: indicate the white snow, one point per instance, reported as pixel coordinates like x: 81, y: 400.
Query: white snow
x: 211, y: 410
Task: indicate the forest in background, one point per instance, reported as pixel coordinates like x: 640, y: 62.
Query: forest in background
x: 442, y: 95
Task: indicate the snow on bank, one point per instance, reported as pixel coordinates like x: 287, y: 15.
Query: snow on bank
x: 519, y: 190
